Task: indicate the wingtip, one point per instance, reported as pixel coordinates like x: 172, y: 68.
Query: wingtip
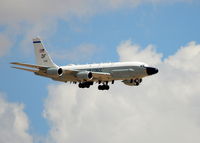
x: 14, y: 63
x: 26, y: 69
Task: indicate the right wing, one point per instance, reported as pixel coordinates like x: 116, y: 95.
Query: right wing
x: 96, y: 75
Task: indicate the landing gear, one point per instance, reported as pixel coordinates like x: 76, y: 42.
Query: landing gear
x: 85, y: 84
x: 103, y: 87
x: 137, y: 81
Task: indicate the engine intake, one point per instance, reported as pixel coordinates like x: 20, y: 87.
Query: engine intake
x: 60, y: 71
x: 85, y: 75
x: 55, y: 71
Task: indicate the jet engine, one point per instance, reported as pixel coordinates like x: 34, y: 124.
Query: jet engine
x: 85, y: 75
x: 132, y: 82
x: 55, y: 71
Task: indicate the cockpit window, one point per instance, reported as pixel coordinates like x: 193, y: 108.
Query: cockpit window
x: 142, y: 66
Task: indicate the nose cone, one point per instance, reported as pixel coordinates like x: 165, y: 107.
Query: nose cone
x: 151, y: 70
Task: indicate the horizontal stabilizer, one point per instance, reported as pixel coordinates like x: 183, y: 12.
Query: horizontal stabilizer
x: 30, y: 70
x: 29, y: 65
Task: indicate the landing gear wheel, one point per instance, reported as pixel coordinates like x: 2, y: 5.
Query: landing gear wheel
x: 83, y: 85
x: 80, y: 85
x: 99, y: 87
x: 107, y: 87
x: 137, y: 81
x: 103, y: 87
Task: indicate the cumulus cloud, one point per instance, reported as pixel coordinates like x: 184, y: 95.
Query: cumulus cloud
x: 187, y: 58
x: 164, y: 108
x: 133, y: 52
x: 14, y: 123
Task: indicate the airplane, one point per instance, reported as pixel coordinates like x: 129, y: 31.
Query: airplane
x: 130, y: 73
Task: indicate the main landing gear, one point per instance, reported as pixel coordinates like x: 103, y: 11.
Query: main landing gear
x: 85, y: 84
x: 103, y: 87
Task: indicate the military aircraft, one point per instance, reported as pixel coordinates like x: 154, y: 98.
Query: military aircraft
x: 130, y: 73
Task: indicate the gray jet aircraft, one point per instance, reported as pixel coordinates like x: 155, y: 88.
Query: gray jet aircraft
x: 130, y: 73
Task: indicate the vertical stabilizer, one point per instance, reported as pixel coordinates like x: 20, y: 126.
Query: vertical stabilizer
x: 41, y: 54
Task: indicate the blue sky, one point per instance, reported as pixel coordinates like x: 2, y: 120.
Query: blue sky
x: 167, y: 26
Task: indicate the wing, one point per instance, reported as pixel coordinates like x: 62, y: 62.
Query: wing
x: 30, y: 65
x: 30, y: 70
x: 101, y: 76
x: 97, y: 76
x: 41, y: 70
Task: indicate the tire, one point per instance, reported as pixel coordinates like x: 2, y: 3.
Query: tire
x: 100, y: 87
x: 107, y: 87
x: 137, y: 83
x: 80, y: 85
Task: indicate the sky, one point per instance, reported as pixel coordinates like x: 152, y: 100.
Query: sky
x: 161, y: 33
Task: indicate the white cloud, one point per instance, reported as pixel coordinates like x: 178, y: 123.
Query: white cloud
x: 14, y: 123
x: 132, y: 52
x: 37, y: 10
x: 165, y: 108
x: 187, y: 58
x: 29, y: 18
x: 32, y: 11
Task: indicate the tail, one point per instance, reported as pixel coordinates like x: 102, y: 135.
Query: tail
x: 41, y: 55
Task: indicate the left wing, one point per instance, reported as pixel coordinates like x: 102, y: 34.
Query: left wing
x: 30, y: 65
x: 30, y: 70
x: 102, y: 76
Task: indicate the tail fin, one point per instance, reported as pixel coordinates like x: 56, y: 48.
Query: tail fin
x: 41, y: 54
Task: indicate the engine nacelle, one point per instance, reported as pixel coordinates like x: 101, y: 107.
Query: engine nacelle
x: 85, y: 75
x: 132, y: 82
x: 55, y: 71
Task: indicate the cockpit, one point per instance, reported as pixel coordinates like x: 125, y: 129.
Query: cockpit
x: 143, y: 65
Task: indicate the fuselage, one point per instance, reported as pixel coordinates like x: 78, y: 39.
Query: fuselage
x: 118, y: 70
